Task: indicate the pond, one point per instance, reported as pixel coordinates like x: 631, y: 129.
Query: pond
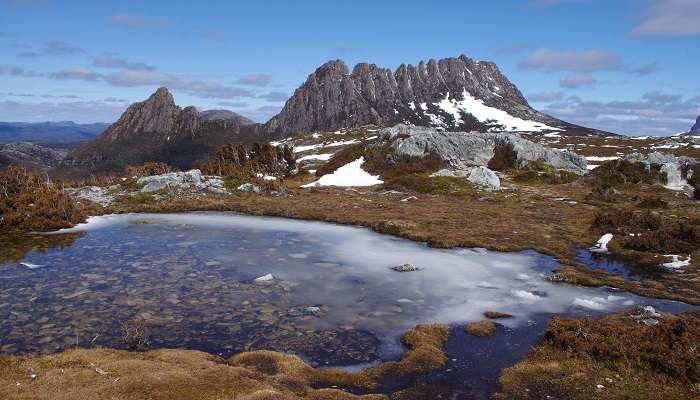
x: 328, y: 292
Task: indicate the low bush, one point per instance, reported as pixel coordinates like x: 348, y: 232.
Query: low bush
x: 540, y: 172
x: 620, y: 173
x: 30, y: 202
x: 148, y: 169
x: 425, y: 184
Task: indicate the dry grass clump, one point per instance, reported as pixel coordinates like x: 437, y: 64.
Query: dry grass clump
x: 652, y: 232
x: 504, y: 158
x: 187, y: 374
x: 496, y: 315
x: 628, y: 360
x: 694, y: 180
x: 29, y: 202
x: 482, y: 328
x: 148, y: 169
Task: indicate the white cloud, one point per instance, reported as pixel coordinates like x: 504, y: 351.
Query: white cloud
x: 571, y: 60
x: 577, y: 81
x: 670, y: 18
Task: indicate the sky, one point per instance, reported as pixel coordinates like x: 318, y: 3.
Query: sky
x: 626, y: 66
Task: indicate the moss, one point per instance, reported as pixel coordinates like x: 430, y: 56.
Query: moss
x: 540, y: 172
x: 622, y: 173
x: 425, y: 184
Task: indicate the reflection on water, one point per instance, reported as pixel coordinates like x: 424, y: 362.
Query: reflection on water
x: 334, y: 298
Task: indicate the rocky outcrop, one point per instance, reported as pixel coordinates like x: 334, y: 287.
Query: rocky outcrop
x: 462, y: 150
x: 158, y: 130
x: 188, y: 180
x: 696, y: 128
x: 484, y: 177
x: 29, y: 155
x: 676, y: 169
x: 451, y: 94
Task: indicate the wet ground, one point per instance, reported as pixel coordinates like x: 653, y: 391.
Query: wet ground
x: 333, y: 297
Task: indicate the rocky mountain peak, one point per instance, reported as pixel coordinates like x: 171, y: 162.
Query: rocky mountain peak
x: 454, y: 93
x: 696, y: 127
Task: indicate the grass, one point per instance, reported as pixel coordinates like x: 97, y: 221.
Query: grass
x: 481, y: 328
x: 538, y: 172
x: 630, y: 360
x: 189, y: 374
x: 437, y: 185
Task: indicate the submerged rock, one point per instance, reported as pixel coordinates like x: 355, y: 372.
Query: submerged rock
x: 405, y: 268
x: 264, y: 278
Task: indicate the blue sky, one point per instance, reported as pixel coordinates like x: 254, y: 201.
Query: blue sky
x: 628, y: 66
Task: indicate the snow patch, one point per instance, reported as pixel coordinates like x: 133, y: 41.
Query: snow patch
x: 350, y: 174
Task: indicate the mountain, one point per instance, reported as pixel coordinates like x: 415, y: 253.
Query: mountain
x: 211, y: 115
x: 64, y: 131
x: 696, y: 127
x: 159, y: 130
x: 29, y: 155
x: 451, y: 94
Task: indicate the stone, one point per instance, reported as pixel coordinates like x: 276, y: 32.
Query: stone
x: 170, y: 180
x: 405, y: 268
x: 95, y: 194
x: 249, y: 187
x: 485, y: 178
x: 673, y: 175
x: 461, y: 150
x: 264, y: 278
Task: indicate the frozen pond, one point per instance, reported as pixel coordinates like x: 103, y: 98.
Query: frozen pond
x: 333, y: 297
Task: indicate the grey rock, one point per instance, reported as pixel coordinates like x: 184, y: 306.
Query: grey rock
x: 249, y: 187
x: 95, y: 194
x: 673, y: 175
x: 696, y: 127
x: 674, y: 167
x: 333, y: 97
x: 191, y: 180
x: 405, y: 268
x: 463, y: 149
x: 484, y: 177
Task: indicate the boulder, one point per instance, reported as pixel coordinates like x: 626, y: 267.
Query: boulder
x: 485, y: 178
x: 249, y: 187
x: 464, y: 149
x: 188, y: 180
x: 405, y: 268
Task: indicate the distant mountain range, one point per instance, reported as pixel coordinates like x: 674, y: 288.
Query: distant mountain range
x: 55, y: 132
x: 453, y: 94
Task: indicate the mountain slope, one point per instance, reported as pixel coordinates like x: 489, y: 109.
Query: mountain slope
x: 696, y: 127
x: 226, y: 115
x: 452, y: 94
x: 65, y: 131
x: 156, y: 130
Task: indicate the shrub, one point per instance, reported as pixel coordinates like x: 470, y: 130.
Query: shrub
x: 425, y: 184
x: 504, y: 158
x: 540, y: 172
x: 30, y: 202
x: 147, y: 169
x: 619, y: 173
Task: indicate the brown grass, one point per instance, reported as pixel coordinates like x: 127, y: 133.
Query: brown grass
x: 188, y: 374
x: 29, y: 202
x: 632, y: 361
x: 482, y: 328
x: 496, y: 315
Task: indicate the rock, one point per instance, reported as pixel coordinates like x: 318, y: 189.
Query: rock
x: 249, y: 187
x: 696, y: 127
x: 462, y: 150
x: 647, y: 315
x: 482, y: 328
x: 484, y: 177
x: 425, y: 95
x: 94, y: 194
x: 673, y: 175
x: 313, y: 310
x: 556, y: 277
x: 29, y: 155
x: 264, y: 278
x: 405, y: 268
x: 170, y: 180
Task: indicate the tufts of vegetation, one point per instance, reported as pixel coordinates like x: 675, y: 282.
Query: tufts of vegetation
x: 621, y: 173
x: 653, y: 202
x: 694, y: 180
x: 652, y: 232
x: 425, y: 184
x: 615, y: 355
x: 147, y: 169
x: 481, y: 328
x: 504, y: 158
x: 30, y: 202
x: 237, y: 159
x: 540, y: 172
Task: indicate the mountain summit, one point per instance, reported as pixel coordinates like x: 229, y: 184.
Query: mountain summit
x: 696, y: 127
x: 452, y: 94
x: 157, y: 129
